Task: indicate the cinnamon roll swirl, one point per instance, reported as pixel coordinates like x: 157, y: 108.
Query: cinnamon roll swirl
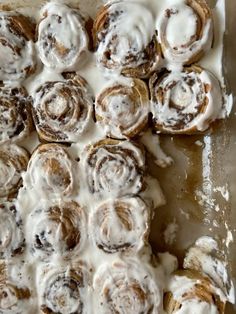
x: 127, y: 287
x: 204, y: 257
x: 186, y: 31
x: 185, y: 102
x: 14, y: 298
x: 12, y: 240
x: 121, y: 224
x: 50, y: 170
x: 58, y: 228
x: 16, y: 47
x: 191, y: 292
x: 62, y: 110
x: 13, y: 162
x: 62, y: 38
x: 114, y: 167
x: 122, y: 109
x: 15, y: 114
x: 63, y: 290
x: 125, y: 40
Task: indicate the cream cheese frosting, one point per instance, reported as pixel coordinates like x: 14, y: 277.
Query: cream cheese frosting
x: 76, y: 242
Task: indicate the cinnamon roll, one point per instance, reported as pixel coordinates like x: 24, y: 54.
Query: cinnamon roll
x: 127, y: 287
x: 62, y: 110
x: 12, y: 240
x: 15, y: 114
x: 114, y: 168
x: 64, y: 290
x: 191, y: 292
x: 50, y: 170
x: 13, y: 162
x: 16, y: 47
x: 186, y: 31
x: 185, y: 102
x: 125, y: 40
x: 57, y: 228
x: 204, y: 257
x: 122, y: 109
x: 62, y: 38
x: 14, y: 298
x: 121, y: 224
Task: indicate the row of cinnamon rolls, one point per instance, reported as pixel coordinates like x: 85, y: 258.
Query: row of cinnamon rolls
x: 62, y: 111
x: 181, y: 100
x: 125, y: 35
x: 57, y: 233
x: 118, y: 286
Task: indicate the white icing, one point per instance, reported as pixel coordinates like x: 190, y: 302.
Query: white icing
x: 65, y: 27
x: 202, y: 257
x: 177, y: 30
x: 183, y: 22
x: 130, y: 30
x: 64, y: 289
x: 14, y: 65
x: 197, y: 307
x: 180, y: 286
x: 13, y: 161
x: 15, y: 119
x: 122, y: 161
x: 62, y: 110
x: 56, y: 230
x: 131, y: 224
x: 187, y: 96
x: 152, y: 144
x: 50, y: 171
x: 116, y: 284
x: 37, y: 184
x: 11, y: 234
x: 123, y: 108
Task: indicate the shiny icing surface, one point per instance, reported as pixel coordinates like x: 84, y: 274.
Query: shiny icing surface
x: 75, y: 237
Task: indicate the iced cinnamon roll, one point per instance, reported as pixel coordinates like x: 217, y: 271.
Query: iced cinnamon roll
x: 185, y: 102
x: 13, y: 162
x: 114, y: 168
x: 122, y: 109
x: 57, y: 228
x: 12, y: 240
x: 186, y: 31
x: 126, y: 287
x: 15, y: 114
x: 191, y: 292
x: 14, y: 297
x: 125, y: 40
x: 120, y: 225
x: 62, y: 38
x: 64, y: 290
x: 50, y: 170
x: 16, y: 47
x: 62, y: 110
x: 205, y: 257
